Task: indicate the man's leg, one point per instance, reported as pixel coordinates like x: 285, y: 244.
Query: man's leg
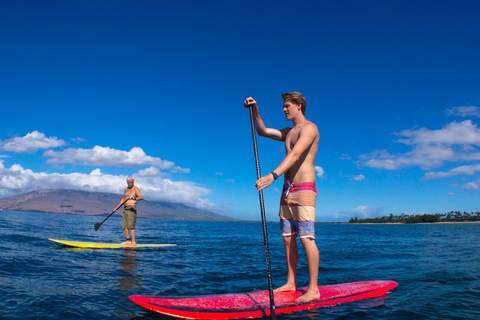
x: 127, y: 236
x: 313, y: 259
x: 132, y: 231
x: 291, y: 255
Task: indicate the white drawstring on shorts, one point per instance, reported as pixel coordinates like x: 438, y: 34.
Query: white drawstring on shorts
x: 289, y: 185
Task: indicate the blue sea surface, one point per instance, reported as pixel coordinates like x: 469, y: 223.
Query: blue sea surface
x: 437, y: 266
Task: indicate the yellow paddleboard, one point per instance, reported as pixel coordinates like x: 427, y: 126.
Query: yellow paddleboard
x: 80, y: 244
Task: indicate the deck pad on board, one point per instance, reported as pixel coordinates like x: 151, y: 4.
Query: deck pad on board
x: 80, y: 244
x: 257, y: 304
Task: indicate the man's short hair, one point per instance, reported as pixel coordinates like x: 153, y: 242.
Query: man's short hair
x: 130, y: 178
x: 296, y: 98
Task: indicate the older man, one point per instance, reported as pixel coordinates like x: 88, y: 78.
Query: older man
x: 132, y: 195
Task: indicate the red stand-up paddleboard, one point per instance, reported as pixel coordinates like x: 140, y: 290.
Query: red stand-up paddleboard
x: 257, y: 304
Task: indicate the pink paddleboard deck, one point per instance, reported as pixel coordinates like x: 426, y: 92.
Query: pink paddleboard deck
x: 257, y: 304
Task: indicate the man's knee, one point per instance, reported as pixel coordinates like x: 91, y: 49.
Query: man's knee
x: 308, y: 241
x: 289, y: 238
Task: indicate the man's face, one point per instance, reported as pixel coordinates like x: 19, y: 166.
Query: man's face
x: 290, y: 109
x: 130, y: 183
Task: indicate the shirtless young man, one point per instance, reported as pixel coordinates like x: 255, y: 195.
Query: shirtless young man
x: 297, y: 204
x: 132, y: 193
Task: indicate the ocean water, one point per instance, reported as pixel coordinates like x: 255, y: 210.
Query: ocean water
x: 437, y: 266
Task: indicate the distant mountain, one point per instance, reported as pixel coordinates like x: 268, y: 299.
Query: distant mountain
x: 97, y: 203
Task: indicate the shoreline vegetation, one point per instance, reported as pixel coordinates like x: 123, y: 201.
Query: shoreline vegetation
x: 449, y: 217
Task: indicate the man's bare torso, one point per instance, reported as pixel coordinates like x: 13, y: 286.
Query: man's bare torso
x: 303, y: 170
x: 130, y: 192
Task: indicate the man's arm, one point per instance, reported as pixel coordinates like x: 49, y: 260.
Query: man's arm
x: 306, y: 139
x: 260, y: 126
x: 138, y: 195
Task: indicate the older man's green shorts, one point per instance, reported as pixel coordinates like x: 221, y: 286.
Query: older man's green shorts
x: 129, y: 217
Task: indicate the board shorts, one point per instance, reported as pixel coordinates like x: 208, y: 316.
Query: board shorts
x: 297, y: 209
x: 129, y: 219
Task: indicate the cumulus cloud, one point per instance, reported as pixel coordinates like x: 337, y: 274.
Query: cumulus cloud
x: 150, y: 172
x: 360, y: 212
x: 319, y: 172
x: 457, y: 141
x: 471, y: 111
x: 462, y: 133
x: 105, y: 156
x: 31, y: 142
x: 16, y: 179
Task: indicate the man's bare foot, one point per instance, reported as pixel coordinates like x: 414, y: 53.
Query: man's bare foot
x: 128, y: 242
x: 309, y: 296
x: 133, y: 243
x: 286, y: 287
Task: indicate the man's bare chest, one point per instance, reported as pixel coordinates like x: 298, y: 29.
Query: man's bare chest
x: 291, y: 139
x: 130, y: 192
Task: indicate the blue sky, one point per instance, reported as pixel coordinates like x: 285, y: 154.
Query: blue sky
x: 94, y: 91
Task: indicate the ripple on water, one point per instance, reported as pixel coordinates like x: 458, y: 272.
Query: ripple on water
x: 436, y: 267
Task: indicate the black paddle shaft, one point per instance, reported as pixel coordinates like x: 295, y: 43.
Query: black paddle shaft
x: 273, y: 316
x: 98, y: 224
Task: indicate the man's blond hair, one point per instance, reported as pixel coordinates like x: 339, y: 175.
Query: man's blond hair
x: 296, y: 98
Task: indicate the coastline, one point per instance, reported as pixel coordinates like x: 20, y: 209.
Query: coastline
x: 439, y: 222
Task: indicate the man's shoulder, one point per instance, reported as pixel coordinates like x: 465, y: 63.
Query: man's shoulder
x: 309, y: 125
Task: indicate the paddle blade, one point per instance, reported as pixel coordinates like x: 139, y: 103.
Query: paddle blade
x: 97, y: 226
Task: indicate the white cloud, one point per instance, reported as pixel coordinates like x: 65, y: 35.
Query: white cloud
x: 360, y: 212
x: 451, y: 194
x: 359, y: 177
x: 458, y: 141
x: 174, y: 191
x: 16, y: 180
x: 463, y: 170
x: 388, y: 164
x: 464, y: 111
x: 319, y: 172
x: 31, y: 142
x: 150, y: 172
x: 77, y: 140
x: 105, y: 156
x: 475, y: 185
x: 462, y: 133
